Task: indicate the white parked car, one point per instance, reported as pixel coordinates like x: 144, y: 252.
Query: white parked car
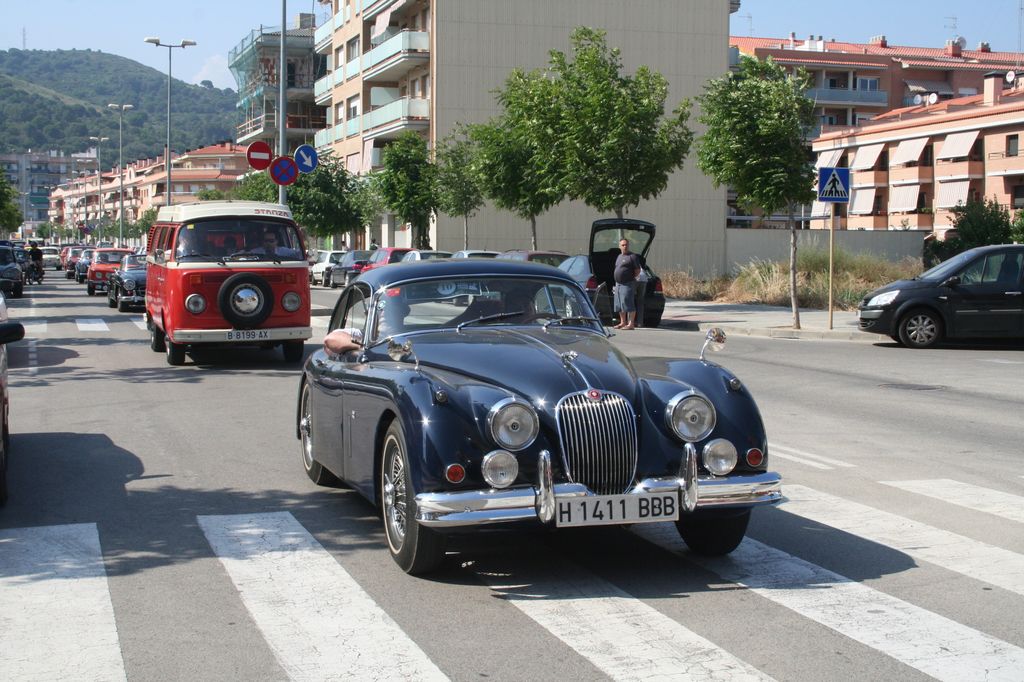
x: 323, y: 259
x: 51, y: 257
x: 474, y: 253
x: 419, y: 254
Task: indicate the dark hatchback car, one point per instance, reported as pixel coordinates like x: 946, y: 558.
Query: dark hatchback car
x: 344, y: 271
x: 975, y: 294
x: 594, y: 271
x: 127, y: 284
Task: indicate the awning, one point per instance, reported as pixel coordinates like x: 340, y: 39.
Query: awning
x: 863, y: 201
x: 353, y: 163
x: 828, y: 159
x: 921, y: 86
x: 952, y: 193
x: 820, y: 209
x: 903, y: 198
x: 908, y: 151
x: 368, y: 155
x: 957, y: 145
x: 867, y: 156
x: 381, y: 24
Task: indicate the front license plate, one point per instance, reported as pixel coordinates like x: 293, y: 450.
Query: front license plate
x: 607, y: 510
x: 249, y: 335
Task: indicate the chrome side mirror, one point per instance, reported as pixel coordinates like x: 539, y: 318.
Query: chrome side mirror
x: 399, y: 351
x: 715, y: 340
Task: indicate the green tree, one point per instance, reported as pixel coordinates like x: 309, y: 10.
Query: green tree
x: 458, y: 192
x: 1017, y: 228
x: 320, y: 200
x: 211, y: 195
x: 256, y: 187
x: 406, y: 184
x: 367, y: 199
x: 140, y: 228
x: 613, y: 143
x: 10, y: 214
x: 45, y: 231
x: 979, y: 223
x: 757, y: 121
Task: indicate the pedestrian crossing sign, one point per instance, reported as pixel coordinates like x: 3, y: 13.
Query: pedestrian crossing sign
x: 834, y: 185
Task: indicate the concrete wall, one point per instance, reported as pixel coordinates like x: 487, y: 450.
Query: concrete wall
x: 745, y: 245
x: 478, y: 42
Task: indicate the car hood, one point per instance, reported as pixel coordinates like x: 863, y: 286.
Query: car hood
x: 903, y: 285
x: 533, y: 364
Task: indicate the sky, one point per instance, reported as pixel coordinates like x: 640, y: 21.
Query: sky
x: 120, y: 26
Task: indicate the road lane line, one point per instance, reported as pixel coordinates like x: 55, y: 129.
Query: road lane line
x: 58, y: 620
x: 34, y: 328
x: 318, y: 621
x: 92, y: 325
x: 799, y: 460
x: 140, y: 322
x: 973, y: 497
x: 923, y: 640
x: 793, y: 452
x: 320, y: 322
x: 619, y: 634
x: 989, y: 564
x: 33, y: 357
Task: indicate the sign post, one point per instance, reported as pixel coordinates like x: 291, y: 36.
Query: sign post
x: 833, y: 188
x: 284, y: 171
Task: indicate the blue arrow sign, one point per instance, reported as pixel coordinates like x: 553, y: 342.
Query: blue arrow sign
x: 834, y: 185
x: 306, y: 158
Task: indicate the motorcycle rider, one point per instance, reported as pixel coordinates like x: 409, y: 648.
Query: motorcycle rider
x: 35, y: 256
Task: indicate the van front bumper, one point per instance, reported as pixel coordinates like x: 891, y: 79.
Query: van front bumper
x: 241, y: 335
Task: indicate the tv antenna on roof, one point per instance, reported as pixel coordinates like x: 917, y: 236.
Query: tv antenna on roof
x: 951, y: 25
x: 750, y: 22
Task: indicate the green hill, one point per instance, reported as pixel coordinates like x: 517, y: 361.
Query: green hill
x: 57, y: 99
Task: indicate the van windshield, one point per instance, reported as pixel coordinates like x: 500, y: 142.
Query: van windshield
x: 238, y: 239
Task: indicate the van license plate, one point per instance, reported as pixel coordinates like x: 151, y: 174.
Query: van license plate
x: 606, y: 510
x: 249, y: 335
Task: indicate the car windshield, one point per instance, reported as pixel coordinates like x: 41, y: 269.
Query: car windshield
x: 548, y: 258
x: 6, y: 256
x: 50, y: 251
x: 352, y: 256
x: 457, y: 303
x: 20, y: 254
x: 948, y: 267
x: 87, y: 254
x: 76, y: 252
x: 110, y: 256
x: 238, y: 239
x: 133, y: 262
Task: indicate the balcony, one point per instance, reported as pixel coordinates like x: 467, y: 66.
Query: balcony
x: 322, y: 89
x: 301, y: 124
x: 959, y: 170
x: 353, y: 68
x: 324, y: 138
x: 878, y: 98
x: 1002, y: 163
x: 393, y: 119
x: 870, y: 178
x: 371, y: 8
x: 867, y: 222
x: 911, y: 175
x: 911, y: 221
x: 323, y: 37
x: 352, y: 126
x: 396, y: 56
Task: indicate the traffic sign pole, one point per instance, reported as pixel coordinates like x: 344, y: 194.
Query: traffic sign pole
x: 831, y: 260
x: 833, y: 188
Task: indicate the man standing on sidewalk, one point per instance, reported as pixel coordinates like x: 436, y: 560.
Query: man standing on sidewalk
x: 627, y: 269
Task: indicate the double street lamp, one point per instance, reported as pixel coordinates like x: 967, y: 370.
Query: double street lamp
x: 167, y: 151
x: 120, y: 109
x: 99, y: 182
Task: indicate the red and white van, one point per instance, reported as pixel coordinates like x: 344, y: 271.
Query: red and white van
x: 226, y: 273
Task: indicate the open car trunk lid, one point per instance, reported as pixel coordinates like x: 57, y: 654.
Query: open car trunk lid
x: 604, y: 244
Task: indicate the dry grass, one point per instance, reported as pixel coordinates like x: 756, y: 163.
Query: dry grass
x: 767, y: 282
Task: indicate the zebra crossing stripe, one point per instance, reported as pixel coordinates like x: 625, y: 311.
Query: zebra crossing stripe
x: 322, y: 322
x: 92, y: 325
x: 926, y: 641
x: 140, y: 322
x: 57, y: 618
x: 619, y: 634
x: 806, y: 458
x: 974, y: 497
x: 34, y: 327
x: 318, y: 621
x: 993, y: 565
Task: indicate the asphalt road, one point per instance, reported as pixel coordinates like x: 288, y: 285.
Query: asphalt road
x: 161, y: 527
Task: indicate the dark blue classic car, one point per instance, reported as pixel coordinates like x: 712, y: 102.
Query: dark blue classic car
x: 515, y: 407
x: 127, y: 285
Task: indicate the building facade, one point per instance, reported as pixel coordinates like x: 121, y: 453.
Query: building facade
x: 430, y: 65
x: 911, y: 166
x: 34, y: 175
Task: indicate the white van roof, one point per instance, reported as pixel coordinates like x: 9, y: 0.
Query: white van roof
x: 194, y: 210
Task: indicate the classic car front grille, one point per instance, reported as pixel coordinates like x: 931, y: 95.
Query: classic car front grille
x: 597, y: 431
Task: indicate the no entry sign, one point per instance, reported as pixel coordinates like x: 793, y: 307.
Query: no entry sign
x: 259, y: 155
x: 283, y: 170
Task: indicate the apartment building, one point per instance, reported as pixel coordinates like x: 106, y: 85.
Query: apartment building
x: 429, y: 65
x: 33, y: 175
x: 911, y: 166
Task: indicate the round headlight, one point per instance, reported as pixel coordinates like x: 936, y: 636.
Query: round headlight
x: 195, y: 304
x: 690, y: 416
x: 129, y: 284
x: 513, y: 423
x: 291, y: 301
x: 720, y: 457
x: 500, y: 468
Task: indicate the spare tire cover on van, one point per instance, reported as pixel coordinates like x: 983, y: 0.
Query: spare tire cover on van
x: 245, y: 300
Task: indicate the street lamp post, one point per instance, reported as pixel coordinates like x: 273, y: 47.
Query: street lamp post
x: 120, y: 109
x: 99, y: 181
x: 167, y: 150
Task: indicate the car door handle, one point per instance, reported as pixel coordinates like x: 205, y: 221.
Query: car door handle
x: 1013, y: 293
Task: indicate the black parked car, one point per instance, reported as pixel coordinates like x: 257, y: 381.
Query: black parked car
x: 127, y: 285
x: 977, y: 293
x: 12, y: 274
x: 341, y: 273
x: 82, y: 266
x: 518, y: 409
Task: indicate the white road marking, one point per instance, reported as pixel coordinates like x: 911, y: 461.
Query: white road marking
x: 34, y: 328
x: 973, y: 497
x: 807, y: 458
x: 619, y: 634
x: 58, y: 621
x: 992, y: 565
x: 320, y: 322
x: 33, y: 357
x: 925, y: 641
x: 92, y: 325
x: 318, y: 621
x: 1004, y: 362
x: 140, y: 322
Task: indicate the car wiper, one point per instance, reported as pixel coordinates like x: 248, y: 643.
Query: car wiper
x: 488, y: 318
x: 571, y: 318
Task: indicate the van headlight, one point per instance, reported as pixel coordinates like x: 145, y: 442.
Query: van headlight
x: 291, y: 301
x: 195, y: 304
x: 513, y: 424
x: 690, y: 416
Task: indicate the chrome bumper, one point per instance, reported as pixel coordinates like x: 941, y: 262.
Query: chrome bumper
x: 220, y: 335
x: 538, y: 503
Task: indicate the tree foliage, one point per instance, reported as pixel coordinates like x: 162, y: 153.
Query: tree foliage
x: 406, y: 184
x: 613, y: 143
x: 458, y: 189
x: 367, y: 199
x: 757, y: 123
x: 980, y: 223
x: 255, y: 187
x: 10, y: 214
x: 320, y: 201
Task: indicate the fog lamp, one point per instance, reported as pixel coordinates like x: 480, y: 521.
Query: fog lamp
x: 500, y: 468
